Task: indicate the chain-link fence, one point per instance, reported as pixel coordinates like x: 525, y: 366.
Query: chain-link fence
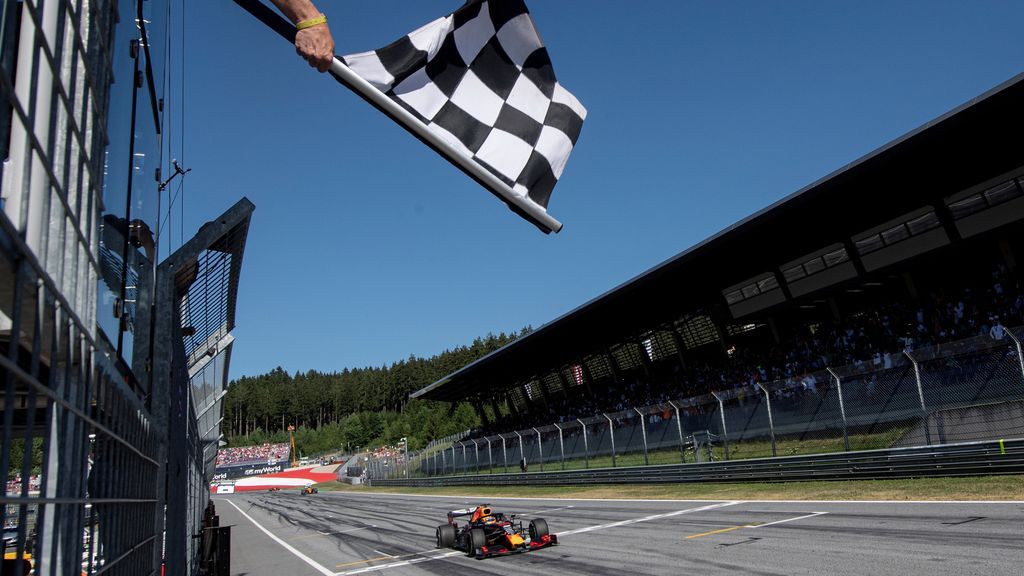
x: 967, y: 390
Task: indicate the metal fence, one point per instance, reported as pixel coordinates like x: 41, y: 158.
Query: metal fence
x: 81, y: 451
x: 108, y: 445
x: 969, y: 390
x: 964, y: 459
x: 82, y: 442
x: 194, y: 315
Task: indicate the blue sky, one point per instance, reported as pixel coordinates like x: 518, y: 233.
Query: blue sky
x: 366, y: 247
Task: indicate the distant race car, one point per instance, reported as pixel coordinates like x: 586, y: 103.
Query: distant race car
x: 275, y: 489
x: 490, y: 533
x: 309, y: 490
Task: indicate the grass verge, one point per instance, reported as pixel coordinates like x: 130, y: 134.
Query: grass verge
x: 956, y: 488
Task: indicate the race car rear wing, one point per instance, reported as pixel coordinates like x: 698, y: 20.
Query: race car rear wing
x: 463, y: 512
x: 482, y: 510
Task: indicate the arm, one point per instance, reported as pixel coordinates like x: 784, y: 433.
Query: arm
x: 315, y: 43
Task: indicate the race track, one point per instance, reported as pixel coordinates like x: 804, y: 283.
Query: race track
x: 345, y: 533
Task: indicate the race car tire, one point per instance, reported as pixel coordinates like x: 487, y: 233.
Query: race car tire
x: 477, y: 540
x: 538, y: 528
x: 445, y: 536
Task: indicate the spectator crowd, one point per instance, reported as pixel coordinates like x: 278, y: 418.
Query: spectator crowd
x: 386, y: 452
x: 252, y: 454
x: 14, y: 484
x: 872, y: 339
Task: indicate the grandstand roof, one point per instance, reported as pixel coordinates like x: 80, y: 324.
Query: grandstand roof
x: 977, y: 141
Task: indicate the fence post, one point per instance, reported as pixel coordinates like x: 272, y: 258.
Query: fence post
x: 1020, y: 356
x: 522, y: 454
x: 561, y: 445
x: 842, y: 408
x: 504, y: 454
x: 490, y: 462
x: 476, y: 452
x: 434, y: 472
x: 771, y: 421
x: 920, y: 396
x: 679, y: 428
x: 453, y: 458
x: 540, y: 450
x: 586, y: 447
x: 444, y: 461
x: 611, y: 430
x: 643, y: 430
x: 725, y: 432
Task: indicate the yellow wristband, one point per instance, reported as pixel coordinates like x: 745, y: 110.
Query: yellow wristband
x: 321, y: 19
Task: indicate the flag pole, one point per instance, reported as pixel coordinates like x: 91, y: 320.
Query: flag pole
x: 521, y: 205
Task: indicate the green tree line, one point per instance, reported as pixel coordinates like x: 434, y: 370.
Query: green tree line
x: 361, y: 407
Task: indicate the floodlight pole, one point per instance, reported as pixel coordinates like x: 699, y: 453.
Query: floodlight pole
x: 405, y: 456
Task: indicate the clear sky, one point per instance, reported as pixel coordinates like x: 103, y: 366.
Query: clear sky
x: 366, y: 247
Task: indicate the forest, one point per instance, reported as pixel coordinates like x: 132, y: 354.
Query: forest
x: 357, y: 407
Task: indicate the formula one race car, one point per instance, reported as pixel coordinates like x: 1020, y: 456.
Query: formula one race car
x: 309, y: 490
x: 490, y: 533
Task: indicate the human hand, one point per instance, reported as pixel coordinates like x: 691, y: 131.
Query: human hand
x: 316, y: 46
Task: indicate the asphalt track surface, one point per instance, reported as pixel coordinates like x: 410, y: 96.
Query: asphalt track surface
x: 285, y: 533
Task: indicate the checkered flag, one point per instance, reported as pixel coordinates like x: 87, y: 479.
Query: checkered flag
x: 478, y: 87
x: 481, y: 79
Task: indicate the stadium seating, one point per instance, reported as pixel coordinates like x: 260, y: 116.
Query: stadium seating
x: 870, y: 339
x: 252, y: 454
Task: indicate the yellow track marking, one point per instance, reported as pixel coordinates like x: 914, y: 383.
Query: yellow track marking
x: 399, y: 557
x: 322, y: 534
x: 730, y: 529
x: 363, y: 561
x: 755, y: 525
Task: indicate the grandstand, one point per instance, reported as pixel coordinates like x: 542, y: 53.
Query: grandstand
x: 243, y: 455
x: 911, y: 247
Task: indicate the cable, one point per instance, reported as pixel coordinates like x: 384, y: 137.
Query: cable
x: 182, y: 104
x: 181, y: 184
x: 167, y: 89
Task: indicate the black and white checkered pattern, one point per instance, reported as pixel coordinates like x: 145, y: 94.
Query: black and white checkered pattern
x: 481, y: 79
